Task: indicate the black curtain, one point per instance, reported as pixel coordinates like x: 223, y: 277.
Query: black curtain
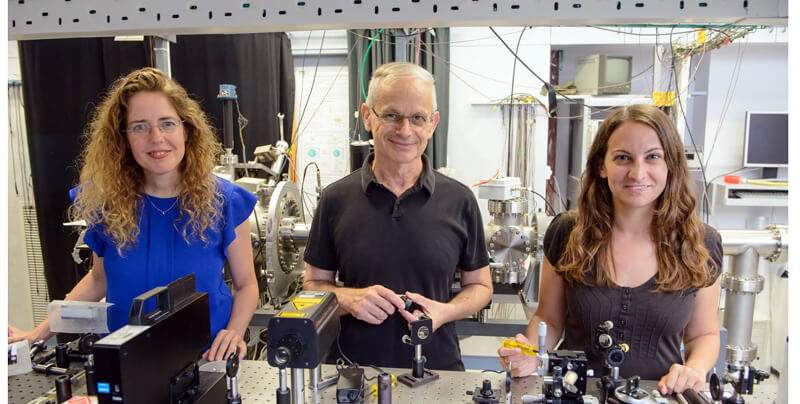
x: 433, y: 54
x: 63, y: 80
x: 261, y: 68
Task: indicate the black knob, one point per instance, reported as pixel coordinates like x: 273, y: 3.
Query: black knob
x: 62, y: 356
x: 615, y: 357
x: 716, y: 387
x: 232, y: 366
x: 86, y: 343
x: 486, y: 390
x: 761, y: 375
x: 63, y: 388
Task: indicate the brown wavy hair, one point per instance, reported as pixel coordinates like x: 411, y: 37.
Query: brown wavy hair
x: 111, y: 182
x: 676, y: 228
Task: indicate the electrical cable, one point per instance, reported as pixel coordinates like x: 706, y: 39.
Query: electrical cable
x: 437, y: 43
x: 303, y: 183
x: 301, y: 131
x: 303, y: 69
x: 546, y: 202
x: 364, y: 61
x: 710, y: 183
x: 728, y: 99
x: 242, y: 121
x: 313, y: 80
x: 700, y: 28
x: 529, y: 68
x: 674, y: 74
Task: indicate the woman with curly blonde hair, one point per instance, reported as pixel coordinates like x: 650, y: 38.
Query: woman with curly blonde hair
x: 635, y: 253
x: 155, y: 212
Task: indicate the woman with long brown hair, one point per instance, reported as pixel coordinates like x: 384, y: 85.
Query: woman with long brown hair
x: 635, y: 253
x: 155, y: 212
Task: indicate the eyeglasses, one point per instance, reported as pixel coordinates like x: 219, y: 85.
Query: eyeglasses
x: 144, y: 128
x: 419, y: 120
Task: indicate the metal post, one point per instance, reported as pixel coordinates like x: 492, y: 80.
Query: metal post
x: 741, y: 286
x: 161, y: 52
x: 315, y: 378
x: 298, y: 390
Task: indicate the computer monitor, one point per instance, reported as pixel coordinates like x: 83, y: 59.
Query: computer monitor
x: 766, y: 139
x: 603, y: 74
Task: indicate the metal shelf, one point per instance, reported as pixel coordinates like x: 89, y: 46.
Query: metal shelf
x: 94, y: 18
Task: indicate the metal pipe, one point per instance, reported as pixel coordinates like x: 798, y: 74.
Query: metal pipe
x: 316, y: 375
x: 298, y: 389
x: 741, y: 286
x: 771, y: 243
x: 161, y: 53
x: 299, y: 233
x: 739, y: 305
x: 282, y: 379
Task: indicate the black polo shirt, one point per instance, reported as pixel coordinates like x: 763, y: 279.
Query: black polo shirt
x: 412, y: 243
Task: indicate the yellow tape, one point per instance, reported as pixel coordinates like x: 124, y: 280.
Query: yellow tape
x: 701, y: 37
x: 527, y: 349
x: 663, y: 98
x: 303, y: 302
x: 291, y: 314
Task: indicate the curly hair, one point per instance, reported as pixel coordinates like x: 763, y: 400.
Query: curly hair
x: 111, y: 182
x: 676, y: 228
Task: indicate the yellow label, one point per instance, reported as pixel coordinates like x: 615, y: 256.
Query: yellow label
x: 701, y: 37
x: 527, y: 349
x: 303, y: 302
x: 291, y: 314
x: 663, y: 98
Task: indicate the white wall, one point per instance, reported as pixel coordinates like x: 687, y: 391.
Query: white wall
x: 20, y: 309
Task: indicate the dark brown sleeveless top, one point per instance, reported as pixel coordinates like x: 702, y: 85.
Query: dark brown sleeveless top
x: 650, y: 322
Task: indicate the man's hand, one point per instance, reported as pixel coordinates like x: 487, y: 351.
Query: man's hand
x: 437, y: 311
x: 519, y: 364
x: 373, y: 304
x: 680, y: 378
x: 225, y: 344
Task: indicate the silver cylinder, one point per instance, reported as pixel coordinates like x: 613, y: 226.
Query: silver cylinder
x: 316, y: 375
x: 542, y: 331
x: 282, y: 379
x: 234, y: 387
x: 771, y: 243
x: 739, y: 306
x: 418, y: 351
x: 298, y: 390
x: 161, y: 52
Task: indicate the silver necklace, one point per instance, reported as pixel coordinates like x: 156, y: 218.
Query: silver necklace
x: 163, y: 211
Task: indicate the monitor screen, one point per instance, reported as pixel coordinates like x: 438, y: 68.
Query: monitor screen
x: 766, y: 140
x: 618, y: 70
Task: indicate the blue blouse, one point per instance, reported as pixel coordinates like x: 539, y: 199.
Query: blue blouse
x: 161, y: 255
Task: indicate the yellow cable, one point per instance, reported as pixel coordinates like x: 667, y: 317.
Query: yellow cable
x: 771, y: 183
